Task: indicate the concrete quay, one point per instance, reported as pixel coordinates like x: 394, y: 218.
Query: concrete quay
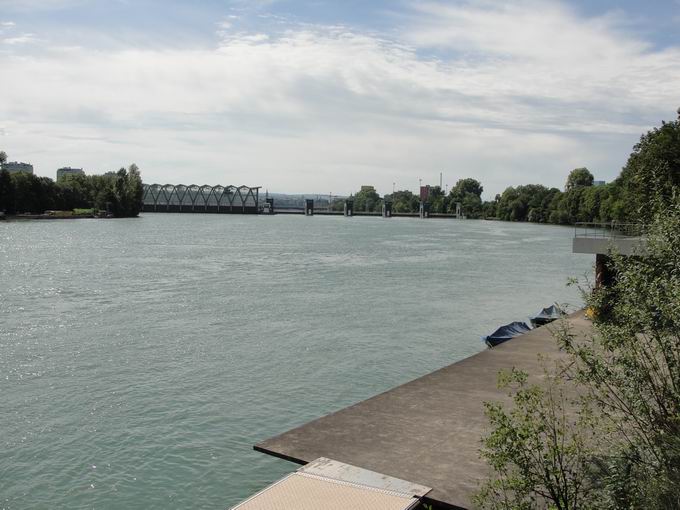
x: 429, y: 430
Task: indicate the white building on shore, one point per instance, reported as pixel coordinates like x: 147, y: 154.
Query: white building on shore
x: 67, y: 170
x: 15, y: 167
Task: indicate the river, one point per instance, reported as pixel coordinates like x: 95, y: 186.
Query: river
x: 140, y: 359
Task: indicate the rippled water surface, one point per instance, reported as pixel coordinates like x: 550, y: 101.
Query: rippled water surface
x: 141, y: 359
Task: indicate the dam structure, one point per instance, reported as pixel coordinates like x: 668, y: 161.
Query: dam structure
x: 230, y: 199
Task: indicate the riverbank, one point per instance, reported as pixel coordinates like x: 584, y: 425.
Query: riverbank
x: 426, y: 431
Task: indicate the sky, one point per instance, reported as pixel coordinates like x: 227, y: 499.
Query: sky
x: 320, y: 96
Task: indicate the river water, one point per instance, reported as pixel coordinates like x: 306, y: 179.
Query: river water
x: 141, y: 359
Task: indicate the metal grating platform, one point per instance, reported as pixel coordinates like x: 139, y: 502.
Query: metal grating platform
x: 332, y: 485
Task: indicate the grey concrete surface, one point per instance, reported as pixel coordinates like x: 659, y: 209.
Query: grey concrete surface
x: 427, y: 431
x: 605, y: 245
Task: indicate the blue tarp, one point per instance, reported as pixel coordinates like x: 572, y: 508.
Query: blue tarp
x: 505, y: 333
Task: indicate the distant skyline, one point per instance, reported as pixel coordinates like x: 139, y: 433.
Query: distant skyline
x: 325, y: 96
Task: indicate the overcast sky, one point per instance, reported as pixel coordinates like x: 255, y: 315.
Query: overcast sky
x: 323, y: 96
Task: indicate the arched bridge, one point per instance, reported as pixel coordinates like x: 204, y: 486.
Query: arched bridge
x: 193, y: 198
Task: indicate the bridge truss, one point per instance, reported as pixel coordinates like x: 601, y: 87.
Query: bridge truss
x: 193, y: 198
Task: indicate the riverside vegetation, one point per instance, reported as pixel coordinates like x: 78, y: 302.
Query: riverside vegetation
x: 118, y: 193
x: 652, y: 169
x: 603, y: 429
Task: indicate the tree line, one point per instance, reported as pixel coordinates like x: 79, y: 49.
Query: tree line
x: 467, y: 192
x: 647, y: 183
x: 117, y: 193
x: 580, y: 201
x: 650, y: 178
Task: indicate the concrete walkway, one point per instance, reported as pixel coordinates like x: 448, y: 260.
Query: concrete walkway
x: 427, y: 431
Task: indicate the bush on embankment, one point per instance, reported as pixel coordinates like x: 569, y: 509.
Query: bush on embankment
x: 602, y: 429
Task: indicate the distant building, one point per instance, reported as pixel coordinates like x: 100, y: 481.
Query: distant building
x: 599, y: 183
x: 367, y: 188
x: 18, y: 168
x: 63, y: 172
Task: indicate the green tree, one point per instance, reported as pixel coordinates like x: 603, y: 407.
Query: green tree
x: 490, y: 208
x: 437, y: 200
x: 571, y: 202
x: 507, y: 197
x: 404, y: 202
x: 77, y: 190
x: 531, y: 202
x: 558, y: 211
x: 6, y: 192
x: 467, y: 192
x: 579, y: 177
x: 367, y: 200
x: 590, y: 208
x: 613, y: 205
x: 135, y: 190
x: 338, y: 204
x: 548, y: 199
x: 631, y: 367
x: 126, y: 193
x: 540, y: 456
x: 6, y: 187
x: 27, y: 193
x: 651, y: 176
x: 464, y: 186
x: 121, y: 192
x: 471, y: 205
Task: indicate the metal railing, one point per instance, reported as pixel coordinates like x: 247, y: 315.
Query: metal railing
x: 611, y: 230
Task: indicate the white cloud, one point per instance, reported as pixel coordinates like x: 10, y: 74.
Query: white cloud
x: 543, y: 50
x: 6, y: 26
x: 521, y: 93
x: 20, y: 39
